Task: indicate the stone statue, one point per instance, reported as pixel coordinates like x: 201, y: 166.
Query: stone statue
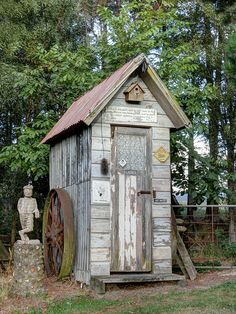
x: 27, y: 207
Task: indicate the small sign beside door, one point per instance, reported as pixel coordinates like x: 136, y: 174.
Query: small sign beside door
x: 161, y: 154
x: 100, y: 191
x: 160, y: 200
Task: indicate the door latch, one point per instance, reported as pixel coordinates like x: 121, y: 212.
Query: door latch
x: 144, y: 192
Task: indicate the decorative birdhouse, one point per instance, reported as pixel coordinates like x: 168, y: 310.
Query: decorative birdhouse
x: 134, y: 93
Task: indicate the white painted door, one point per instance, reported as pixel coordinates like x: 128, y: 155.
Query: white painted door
x: 131, y: 200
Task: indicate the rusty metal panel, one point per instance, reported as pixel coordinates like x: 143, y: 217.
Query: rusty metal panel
x: 86, y: 104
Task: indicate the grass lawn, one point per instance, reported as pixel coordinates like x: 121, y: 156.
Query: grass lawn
x: 217, y: 300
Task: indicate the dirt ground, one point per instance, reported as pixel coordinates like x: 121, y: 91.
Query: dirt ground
x: 58, y: 290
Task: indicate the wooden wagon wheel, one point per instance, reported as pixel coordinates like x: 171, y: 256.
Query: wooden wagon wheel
x: 58, y: 234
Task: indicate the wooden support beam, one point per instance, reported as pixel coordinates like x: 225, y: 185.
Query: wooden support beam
x: 181, y: 266
x: 182, y: 257
x: 188, y: 264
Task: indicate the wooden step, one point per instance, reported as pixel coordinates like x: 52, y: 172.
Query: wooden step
x: 98, y: 283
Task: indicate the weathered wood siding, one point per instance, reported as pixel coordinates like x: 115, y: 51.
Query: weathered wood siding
x: 161, y: 181
x: 161, y: 211
x: 70, y: 168
x: 100, y: 206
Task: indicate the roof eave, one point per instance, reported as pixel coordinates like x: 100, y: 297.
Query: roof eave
x: 73, y: 129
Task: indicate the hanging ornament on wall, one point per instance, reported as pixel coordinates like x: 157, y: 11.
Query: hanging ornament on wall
x: 104, y: 166
x: 104, y: 161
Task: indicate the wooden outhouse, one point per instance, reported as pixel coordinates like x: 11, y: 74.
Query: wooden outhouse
x: 111, y: 153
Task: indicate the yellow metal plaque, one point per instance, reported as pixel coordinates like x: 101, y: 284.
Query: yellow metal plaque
x: 161, y: 154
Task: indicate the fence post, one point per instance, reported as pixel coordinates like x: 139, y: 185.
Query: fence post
x: 212, y: 225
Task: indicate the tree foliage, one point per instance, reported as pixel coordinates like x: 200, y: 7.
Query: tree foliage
x: 231, y: 59
x: 53, y: 51
x: 28, y: 155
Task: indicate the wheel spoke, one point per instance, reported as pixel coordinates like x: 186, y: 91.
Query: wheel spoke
x: 54, y: 230
x: 50, y: 209
x: 58, y: 212
x: 59, y: 248
x: 54, y: 250
x: 59, y: 229
x: 48, y: 231
x: 52, y: 205
x: 54, y: 236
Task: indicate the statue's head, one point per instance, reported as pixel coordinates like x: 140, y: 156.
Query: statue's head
x: 28, y: 190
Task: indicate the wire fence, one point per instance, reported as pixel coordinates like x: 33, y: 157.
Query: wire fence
x: 209, y: 230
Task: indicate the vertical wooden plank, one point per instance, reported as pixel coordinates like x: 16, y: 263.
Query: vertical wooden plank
x: 140, y: 227
x: 83, y: 199
x: 59, y: 165
x: 127, y: 221
x: 121, y: 224
x: 83, y: 153
x: 67, y: 161
x: 114, y: 210
x: 147, y: 208
x: 73, y: 159
x: 56, y: 166
x: 58, y: 184
x: 133, y: 223
x: 88, y: 183
x: 80, y: 218
x: 51, y: 167
x: 54, y: 162
x: 85, y: 234
x: 63, y: 158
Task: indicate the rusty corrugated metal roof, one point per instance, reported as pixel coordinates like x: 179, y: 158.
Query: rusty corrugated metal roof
x: 86, y: 108
x: 86, y: 104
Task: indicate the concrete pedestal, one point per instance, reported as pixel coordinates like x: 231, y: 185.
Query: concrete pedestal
x: 28, y: 268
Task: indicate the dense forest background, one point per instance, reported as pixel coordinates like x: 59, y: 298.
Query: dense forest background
x: 53, y: 51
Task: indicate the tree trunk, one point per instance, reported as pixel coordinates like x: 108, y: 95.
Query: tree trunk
x: 212, y: 76
x: 231, y: 197
x: 191, y: 167
x: 191, y: 184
